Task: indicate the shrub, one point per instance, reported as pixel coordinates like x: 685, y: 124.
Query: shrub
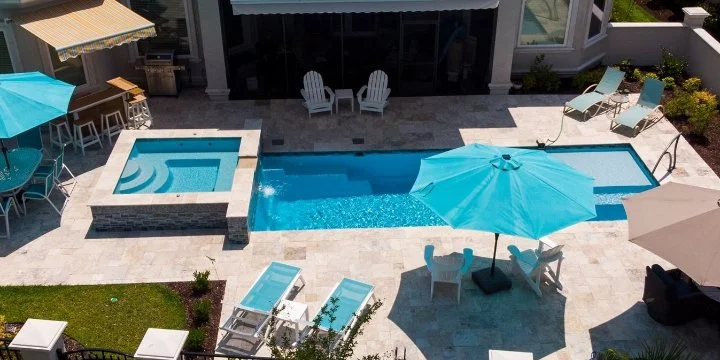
x: 671, y: 65
x: 612, y: 354
x: 649, y: 75
x: 680, y: 105
x: 692, y: 84
x: 625, y: 65
x: 636, y: 75
x: 201, y: 311
x: 201, y: 283
x: 669, y: 82
x: 706, y: 97
x: 699, y: 107
x: 195, y: 340
x: 541, y: 77
x: 586, y: 78
x: 662, y: 350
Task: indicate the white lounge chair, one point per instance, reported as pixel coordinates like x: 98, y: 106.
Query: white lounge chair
x: 533, y: 264
x: 269, y: 289
x: 352, y: 298
x: 441, y: 272
x: 314, y: 94
x: 377, y: 95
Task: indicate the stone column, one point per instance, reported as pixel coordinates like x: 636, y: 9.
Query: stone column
x: 161, y: 344
x: 694, y: 17
x: 39, y: 339
x: 507, y: 26
x: 213, y: 50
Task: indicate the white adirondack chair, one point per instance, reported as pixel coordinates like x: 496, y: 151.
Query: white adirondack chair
x: 447, y: 273
x: 377, y: 90
x: 534, y: 264
x: 314, y: 94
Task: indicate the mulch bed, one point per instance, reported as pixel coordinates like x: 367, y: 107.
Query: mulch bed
x: 215, y: 294
x: 664, y: 11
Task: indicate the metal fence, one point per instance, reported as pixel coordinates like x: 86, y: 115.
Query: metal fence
x: 94, y: 354
x: 187, y: 355
x: 6, y: 353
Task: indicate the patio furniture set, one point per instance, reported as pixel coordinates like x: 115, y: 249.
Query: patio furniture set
x: 320, y: 98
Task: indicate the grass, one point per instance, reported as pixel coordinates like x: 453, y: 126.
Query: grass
x: 630, y: 11
x: 93, y: 319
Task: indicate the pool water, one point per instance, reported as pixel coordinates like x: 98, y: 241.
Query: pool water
x: 371, y: 189
x: 179, y: 165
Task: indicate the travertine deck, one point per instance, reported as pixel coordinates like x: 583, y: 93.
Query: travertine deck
x: 603, y: 274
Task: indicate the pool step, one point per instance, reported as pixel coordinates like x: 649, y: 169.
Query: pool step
x: 162, y: 180
x: 131, y: 171
x: 146, y: 174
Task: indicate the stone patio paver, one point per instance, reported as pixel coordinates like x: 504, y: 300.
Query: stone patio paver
x: 603, y: 274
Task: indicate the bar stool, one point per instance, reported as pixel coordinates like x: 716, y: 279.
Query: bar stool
x: 85, y: 141
x: 139, y: 112
x: 111, y: 130
x: 63, y: 136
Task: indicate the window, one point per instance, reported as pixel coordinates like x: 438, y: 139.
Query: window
x: 170, y: 24
x: 597, y: 17
x: 545, y: 22
x: 6, y: 65
x: 71, y: 71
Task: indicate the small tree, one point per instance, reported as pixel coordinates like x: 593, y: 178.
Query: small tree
x: 318, y: 344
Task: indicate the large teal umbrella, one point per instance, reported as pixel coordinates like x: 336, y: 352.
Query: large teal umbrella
x: 28, y: 100
x: 508, y: 191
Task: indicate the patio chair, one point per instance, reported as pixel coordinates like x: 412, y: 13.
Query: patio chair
x: 270, y: 288
x: 647, y: 105
x: 40, y: 189
x: 532, y: 265
x: 352, y: 298
x: 440, y: 273
x: 31, y: 139
x: 313, y: 94
x: 377, y: 91
x: 55, y: 166
x: 671, y: 298
x: 5, y: 205
x: 596, y: 94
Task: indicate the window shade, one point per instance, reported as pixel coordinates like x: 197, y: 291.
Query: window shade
x: 5, y: 61
x: 170, y: 24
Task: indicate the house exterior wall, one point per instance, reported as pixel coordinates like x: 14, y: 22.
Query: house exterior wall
x: 643, y: 42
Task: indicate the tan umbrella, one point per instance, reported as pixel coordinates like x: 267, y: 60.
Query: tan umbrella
x: 681, y: 224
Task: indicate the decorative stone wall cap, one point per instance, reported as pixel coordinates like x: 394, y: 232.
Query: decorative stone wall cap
x: 695, y: 11
x: 38, y: 334
x: 161, y: 344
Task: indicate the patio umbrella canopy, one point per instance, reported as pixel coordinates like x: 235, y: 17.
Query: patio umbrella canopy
x: 28, y: 100
x: 681, y: 224
x: 508, y: 191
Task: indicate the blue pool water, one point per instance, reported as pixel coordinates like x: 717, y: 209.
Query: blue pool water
x: 179, y: 165
x: 370, y: 189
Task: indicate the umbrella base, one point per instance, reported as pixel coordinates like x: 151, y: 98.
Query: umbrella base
x: 491, y: 284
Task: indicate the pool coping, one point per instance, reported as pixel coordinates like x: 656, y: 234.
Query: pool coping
x: 237, y: 199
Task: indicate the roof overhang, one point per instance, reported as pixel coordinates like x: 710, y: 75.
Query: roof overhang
x: 257, y: 7
x: 83, y: 26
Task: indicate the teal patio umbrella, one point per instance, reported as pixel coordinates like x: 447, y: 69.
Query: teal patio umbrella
x: 28, y: 100
x: 509, y: 191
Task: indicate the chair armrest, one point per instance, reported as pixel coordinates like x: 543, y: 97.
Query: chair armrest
x: 361, y: 91
x: 304, y: 94
x: 514, y: 251
x: 331, y: 93
x: 593, y: 86
x: 386, y: 94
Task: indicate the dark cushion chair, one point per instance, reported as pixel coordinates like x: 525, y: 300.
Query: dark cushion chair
x: 671, y: 297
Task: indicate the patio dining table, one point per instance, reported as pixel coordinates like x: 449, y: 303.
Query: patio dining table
x: 23, y: 163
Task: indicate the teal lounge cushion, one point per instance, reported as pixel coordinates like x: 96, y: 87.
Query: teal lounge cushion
x: 632, y: 116
x: 583, y: 102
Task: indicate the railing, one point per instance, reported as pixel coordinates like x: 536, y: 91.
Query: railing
x: 188, y: 355
x: 94, y: 354
x: 673, y: 155
x: 6, y: 353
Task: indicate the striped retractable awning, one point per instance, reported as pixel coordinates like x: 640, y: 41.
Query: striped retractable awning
x: 83, y: 26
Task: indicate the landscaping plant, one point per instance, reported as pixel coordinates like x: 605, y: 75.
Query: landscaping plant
x: 201, y: 283
x: 669, y: 82
x: 659, y: 350
x: 541, y: 77
x: 692, y: 84
x: 586, y: 78
x: 317, y: 345
x: 201, y: 311
x: 671, y: 66
x: 195, y: 340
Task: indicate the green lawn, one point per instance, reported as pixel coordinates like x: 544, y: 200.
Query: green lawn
x: 93, y: 319
x: 630, y: 11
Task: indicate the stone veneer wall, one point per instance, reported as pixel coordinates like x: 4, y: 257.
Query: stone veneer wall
x: 238, y: 230
x: 160, y: 217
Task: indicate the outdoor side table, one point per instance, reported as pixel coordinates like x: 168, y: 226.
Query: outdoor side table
x: 342, y: 94
x: 617, y: 101
x: 509, y: 355
x: 292, y: 312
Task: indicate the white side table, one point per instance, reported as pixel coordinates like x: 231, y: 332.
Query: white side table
x: 510, y: 355
x: 341, y: 94
x: 617, y: 101
x: 292, y: 312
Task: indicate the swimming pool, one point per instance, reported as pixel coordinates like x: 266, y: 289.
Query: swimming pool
x: 370, y: 189
x: 178, y: 165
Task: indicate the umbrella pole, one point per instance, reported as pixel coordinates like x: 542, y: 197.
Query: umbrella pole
x: 492, y: 268
x: 4, y: 151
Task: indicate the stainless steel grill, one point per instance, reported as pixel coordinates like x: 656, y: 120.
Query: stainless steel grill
x: 160, y: 72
